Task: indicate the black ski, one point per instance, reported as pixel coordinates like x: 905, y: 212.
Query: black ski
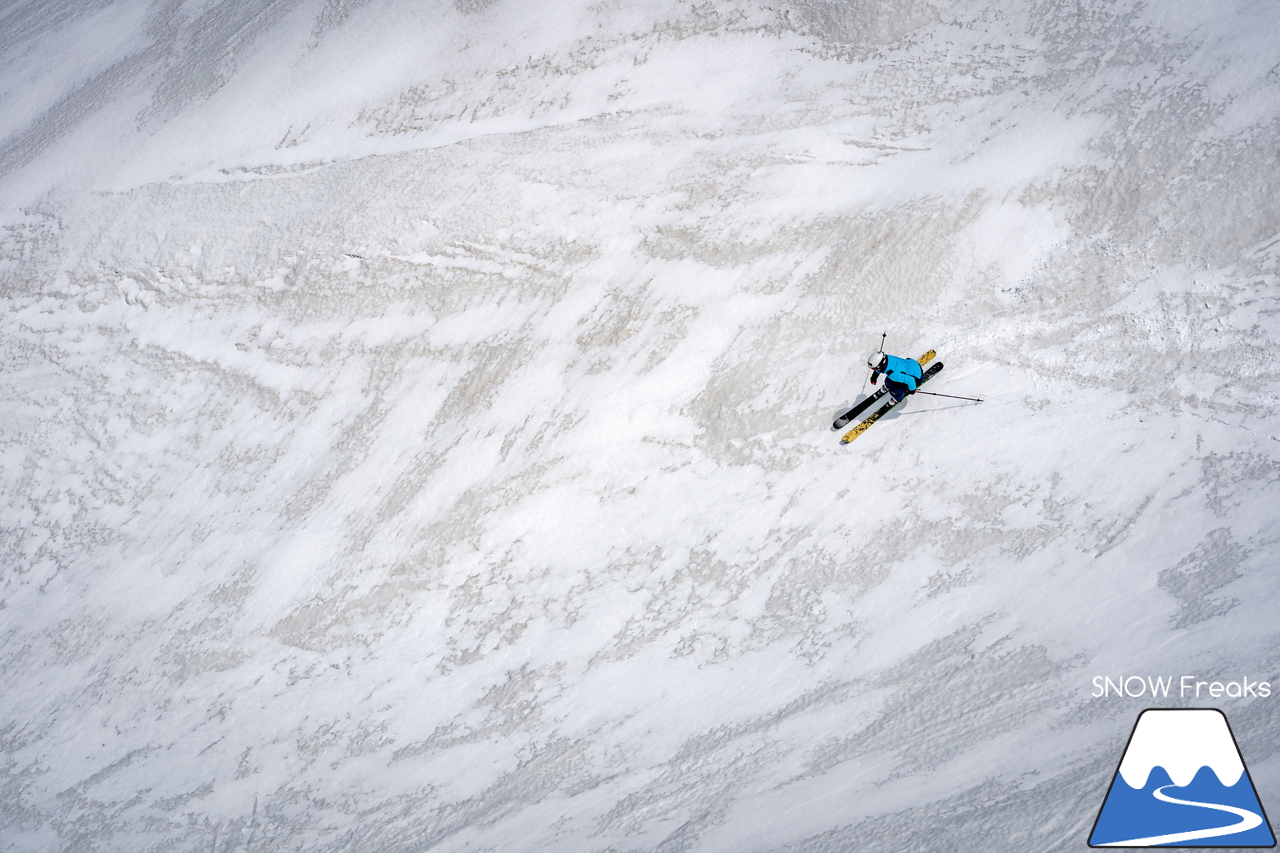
x: 844, y: 419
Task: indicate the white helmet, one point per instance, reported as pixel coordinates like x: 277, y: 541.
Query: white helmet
x: 876, y: 360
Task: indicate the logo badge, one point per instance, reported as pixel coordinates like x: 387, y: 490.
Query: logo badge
x: 1181, y: 783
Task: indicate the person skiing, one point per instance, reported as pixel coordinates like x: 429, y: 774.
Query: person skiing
x: 901, y: 375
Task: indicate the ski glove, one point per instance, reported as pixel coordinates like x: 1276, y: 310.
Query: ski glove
x: 874, y: 376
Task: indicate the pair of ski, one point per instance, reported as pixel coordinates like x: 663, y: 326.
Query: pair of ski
x: 842, y: 421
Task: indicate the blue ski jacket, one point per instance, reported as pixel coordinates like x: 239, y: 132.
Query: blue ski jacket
x: 905, y: 371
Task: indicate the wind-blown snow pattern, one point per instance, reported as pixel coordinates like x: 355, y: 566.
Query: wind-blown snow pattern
x: 415, y: 417
x: 1191, y: 753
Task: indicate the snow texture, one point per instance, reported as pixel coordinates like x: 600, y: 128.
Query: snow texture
x: 414, y: 417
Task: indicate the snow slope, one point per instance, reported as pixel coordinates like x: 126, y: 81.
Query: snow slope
x: 415, y: 418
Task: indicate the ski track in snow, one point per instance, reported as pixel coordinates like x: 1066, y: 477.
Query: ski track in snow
x: 416, y: 436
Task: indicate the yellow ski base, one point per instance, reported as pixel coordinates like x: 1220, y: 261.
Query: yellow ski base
x: 865, y: 424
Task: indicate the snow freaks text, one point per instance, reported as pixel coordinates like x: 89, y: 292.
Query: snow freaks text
x: 1184, y: 686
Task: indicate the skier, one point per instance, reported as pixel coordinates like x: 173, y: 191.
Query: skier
x: 901, y: 375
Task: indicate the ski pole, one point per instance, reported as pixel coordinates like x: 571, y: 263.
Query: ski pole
x: 883, y: 335
x: 952, y: 396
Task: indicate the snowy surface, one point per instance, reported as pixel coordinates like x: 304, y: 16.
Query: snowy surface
x: 415, y: 418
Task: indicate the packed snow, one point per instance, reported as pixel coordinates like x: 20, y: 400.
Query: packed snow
x: 416, y: 418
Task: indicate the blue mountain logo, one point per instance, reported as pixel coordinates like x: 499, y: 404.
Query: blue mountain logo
x: 1182, y: 783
